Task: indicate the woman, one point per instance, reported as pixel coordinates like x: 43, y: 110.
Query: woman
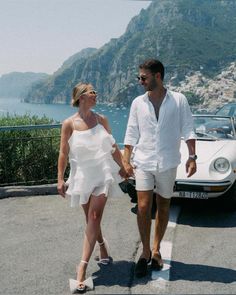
x: 86, y: 139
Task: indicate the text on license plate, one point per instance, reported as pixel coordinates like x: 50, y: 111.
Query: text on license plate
x: 193, y: 195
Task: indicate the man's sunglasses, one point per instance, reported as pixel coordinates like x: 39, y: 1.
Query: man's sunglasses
x: 141, y: 78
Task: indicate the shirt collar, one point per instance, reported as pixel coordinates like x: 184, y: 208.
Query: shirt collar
x: 145, y: 96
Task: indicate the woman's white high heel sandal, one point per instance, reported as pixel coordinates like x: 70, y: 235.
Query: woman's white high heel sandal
x: 104, y: 261
x: 81, y: 287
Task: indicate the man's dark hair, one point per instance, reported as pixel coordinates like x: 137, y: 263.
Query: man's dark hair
x: 154, y: 66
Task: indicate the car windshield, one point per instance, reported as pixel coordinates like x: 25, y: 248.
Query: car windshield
x: 214, y: 127
x: 227, y: 110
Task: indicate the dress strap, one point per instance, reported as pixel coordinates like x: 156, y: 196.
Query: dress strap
x: 96, y: 115
x: 73, y: 123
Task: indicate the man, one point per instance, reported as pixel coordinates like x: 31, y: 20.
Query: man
x: 157, y: 121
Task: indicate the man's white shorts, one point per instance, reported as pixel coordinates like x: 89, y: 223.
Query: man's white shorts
x: 161, y: 182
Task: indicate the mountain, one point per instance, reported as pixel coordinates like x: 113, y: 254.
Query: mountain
x: 85, y: 53
x: 186, y: 35
x: 17, y: 84
x: 55, y: 89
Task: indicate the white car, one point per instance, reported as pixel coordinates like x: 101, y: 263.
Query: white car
x: 216, y: 162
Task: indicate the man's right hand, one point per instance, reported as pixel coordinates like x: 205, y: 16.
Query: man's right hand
x: 129, y: 169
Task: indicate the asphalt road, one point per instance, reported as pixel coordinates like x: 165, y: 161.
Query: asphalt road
x: 204, y: 252
x: 41, y: 239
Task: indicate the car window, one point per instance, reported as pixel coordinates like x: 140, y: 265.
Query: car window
x: 227, y: 110
x: 213, y: 128
x: 224, y: 111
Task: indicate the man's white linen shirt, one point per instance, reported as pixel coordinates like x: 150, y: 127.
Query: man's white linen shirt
x: 157, y: 143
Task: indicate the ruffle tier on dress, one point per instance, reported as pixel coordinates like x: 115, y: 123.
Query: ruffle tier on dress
x: 92, y: 168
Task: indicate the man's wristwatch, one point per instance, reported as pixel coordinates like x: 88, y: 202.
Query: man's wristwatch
x: 193, y: 157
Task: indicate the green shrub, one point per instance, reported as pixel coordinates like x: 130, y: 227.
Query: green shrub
x: 28, y: 156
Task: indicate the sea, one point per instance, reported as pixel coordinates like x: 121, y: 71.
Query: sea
x: 117, y: 116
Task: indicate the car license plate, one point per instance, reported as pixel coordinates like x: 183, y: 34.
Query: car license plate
x: 193, y: 195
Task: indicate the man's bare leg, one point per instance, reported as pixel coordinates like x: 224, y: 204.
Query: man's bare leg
x: 161, y: 221
x: 144, y: 220
x: 144, y: 225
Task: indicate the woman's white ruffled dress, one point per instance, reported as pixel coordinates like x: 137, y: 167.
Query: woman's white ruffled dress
x: 92, y: 168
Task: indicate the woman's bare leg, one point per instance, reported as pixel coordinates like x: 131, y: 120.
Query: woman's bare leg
x: 94, y: 215
x: 103, y: 249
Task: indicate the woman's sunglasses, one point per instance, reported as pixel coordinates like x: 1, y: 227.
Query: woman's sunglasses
x: 91, y: 92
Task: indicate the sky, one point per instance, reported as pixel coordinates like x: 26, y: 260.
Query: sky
x: 39, y: 35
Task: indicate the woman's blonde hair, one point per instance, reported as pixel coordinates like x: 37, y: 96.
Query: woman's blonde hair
x: 78, y: 90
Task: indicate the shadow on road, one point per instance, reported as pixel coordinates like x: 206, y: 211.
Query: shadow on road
x: 206, y: 213
x: 117, y: 273
x: 203, y: 273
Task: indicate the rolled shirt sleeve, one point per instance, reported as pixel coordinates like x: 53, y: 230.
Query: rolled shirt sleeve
x: 132, y: 132
x: 187, y: 130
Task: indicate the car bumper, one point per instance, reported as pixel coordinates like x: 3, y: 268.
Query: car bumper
x: 200, y: 189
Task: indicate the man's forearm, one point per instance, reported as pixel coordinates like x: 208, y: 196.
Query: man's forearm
x: 127, y: 153
x: 191, y: 146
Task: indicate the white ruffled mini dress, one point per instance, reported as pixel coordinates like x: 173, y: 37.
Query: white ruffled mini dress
x: 92, y: 168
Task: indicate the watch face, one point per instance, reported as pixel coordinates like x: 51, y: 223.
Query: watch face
x: 194, y: 157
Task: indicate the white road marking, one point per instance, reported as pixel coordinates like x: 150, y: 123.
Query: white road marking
x: 161, y: 278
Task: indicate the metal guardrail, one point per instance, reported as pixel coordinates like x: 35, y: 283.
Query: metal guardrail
x: 28, y: 154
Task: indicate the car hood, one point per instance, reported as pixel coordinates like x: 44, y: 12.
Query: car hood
x: 205, y: 150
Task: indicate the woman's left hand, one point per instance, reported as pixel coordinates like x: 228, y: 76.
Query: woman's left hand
x: 61, y: 188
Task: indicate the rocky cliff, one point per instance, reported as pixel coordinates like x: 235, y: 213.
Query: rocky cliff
x: 188, y: 36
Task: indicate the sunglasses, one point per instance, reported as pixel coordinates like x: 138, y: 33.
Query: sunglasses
x: 141, y: 78
x: 91, y: 92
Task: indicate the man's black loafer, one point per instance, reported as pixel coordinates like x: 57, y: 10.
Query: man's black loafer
x: 141, y: 268
x: 157, y: 264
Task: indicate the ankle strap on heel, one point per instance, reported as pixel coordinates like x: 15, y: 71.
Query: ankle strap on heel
x: 83, y: 261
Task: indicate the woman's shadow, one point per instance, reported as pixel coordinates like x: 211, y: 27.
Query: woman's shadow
x: 118, y: 273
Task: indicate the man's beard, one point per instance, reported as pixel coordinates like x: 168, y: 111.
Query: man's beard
x: 151, y: 86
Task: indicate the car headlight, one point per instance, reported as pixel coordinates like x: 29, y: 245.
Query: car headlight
x: 221, y: 165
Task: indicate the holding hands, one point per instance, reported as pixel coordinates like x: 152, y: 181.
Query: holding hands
x: 129, y: 169
x: 123, y: 173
